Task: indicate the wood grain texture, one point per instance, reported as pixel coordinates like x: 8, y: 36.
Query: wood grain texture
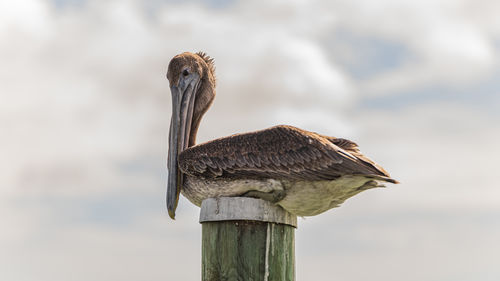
x: 247, y: 251
x: 244, y: 208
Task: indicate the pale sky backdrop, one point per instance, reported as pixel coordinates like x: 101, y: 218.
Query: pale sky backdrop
x: 85, y: 109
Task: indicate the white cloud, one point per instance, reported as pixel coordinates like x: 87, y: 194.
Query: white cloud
x: 24, y: 16
x: 448, y: 41
x: 85, y: 109
x: 442, y: 153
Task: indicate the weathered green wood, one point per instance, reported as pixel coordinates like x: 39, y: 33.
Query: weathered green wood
x: 248, y: 251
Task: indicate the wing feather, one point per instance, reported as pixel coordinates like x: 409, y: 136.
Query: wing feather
x: 281, y: 152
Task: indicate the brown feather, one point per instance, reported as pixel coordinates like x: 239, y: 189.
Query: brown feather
x: 281, y: 152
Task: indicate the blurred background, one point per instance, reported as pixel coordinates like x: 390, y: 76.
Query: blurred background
x: 85, y: 110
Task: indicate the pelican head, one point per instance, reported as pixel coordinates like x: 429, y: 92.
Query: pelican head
x: 192, y: 84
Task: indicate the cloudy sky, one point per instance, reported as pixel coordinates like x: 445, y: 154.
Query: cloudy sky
x: 85, y: 109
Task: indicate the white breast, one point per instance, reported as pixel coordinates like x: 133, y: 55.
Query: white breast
x: 303, y: 198
x: 310, y: 198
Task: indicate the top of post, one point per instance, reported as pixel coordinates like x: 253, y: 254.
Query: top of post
x: 244, y: 208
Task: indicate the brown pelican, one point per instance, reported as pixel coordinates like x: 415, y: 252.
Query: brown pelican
x: 304, y: 172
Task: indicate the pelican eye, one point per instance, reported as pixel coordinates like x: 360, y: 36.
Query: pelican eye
x: 185, y: 72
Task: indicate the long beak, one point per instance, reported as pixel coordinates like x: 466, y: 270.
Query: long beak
x: 180, y: 128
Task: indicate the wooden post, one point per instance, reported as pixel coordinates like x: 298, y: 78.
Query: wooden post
x: 247, y: 239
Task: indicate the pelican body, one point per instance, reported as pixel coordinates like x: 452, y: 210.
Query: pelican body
x: 304, y: 172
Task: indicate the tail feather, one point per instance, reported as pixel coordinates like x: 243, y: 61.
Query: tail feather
x: 383, y: 178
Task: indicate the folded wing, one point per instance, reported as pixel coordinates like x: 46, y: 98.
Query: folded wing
x: 281, y: 152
